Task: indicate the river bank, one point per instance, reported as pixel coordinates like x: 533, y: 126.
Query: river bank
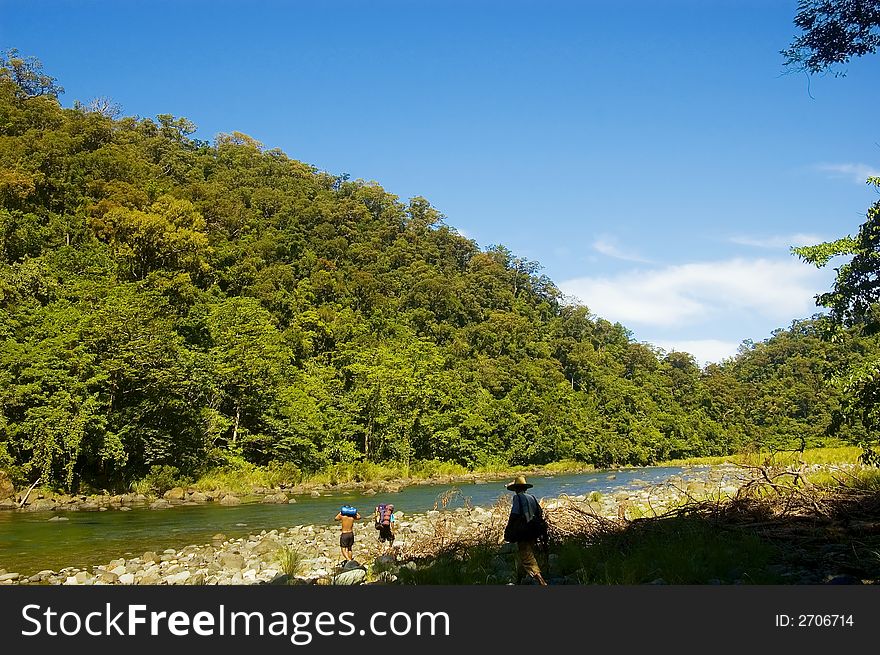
x: 270, y: 556
x: 43, y: 500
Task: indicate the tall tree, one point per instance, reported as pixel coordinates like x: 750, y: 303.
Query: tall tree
x: 854, y: 303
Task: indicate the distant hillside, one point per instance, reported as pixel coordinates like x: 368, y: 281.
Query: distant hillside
x: 167, y: 301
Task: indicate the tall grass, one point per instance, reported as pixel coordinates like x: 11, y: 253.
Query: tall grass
x: 833, y: 455
x: 242, y: 477
x: 676, y: 551
x: 291, y: 561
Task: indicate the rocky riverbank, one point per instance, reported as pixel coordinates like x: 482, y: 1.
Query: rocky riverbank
x: 41, y: 500
x: 309, y: 554
x: 265, y: 558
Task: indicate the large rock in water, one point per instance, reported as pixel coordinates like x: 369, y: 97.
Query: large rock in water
x: 40, y: 505
x: 7, y: 489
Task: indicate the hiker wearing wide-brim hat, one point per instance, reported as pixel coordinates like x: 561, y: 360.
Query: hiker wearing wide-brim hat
x: 525, y: 525
x: 519, y: 483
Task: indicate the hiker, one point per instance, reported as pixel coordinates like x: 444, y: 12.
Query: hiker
x: 524, y: 526
x: 348, y: 515
x: 385, y: 520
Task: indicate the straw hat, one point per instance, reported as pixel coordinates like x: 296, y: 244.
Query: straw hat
x: 519, y: 483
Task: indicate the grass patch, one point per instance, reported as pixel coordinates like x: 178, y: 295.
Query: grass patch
x: 357, y: 472
x: 810, y: 456
x: 291, y: 561
x: 864, y: 479
x: 679, y: 550
x: 482, y: 564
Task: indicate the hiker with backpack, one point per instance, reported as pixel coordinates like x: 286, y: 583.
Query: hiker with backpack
x: 347, y: 515
x: 384, y: 522
x: 525, y: 526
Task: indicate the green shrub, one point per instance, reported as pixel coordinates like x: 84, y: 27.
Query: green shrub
x: 283, y: 473
x: 160, y: 479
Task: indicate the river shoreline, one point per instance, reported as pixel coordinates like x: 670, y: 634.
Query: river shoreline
x: 40, y: 500
x: 258, y: 558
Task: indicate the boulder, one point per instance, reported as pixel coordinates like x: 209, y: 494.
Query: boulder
x: 384, y: 561
x: 177, y: 493
x: 229, y: 499
x: 266, y: 546
x: 150, y: 578
x: 351, y: 577
x: 108, y: 577
x: 41, y: 505
x: 231, y: 561
x: 277, y: 499
x: 197, y: 578
x: 160, y: 504
x: 178, y: 578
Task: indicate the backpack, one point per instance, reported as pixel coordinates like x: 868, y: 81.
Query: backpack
x: 348, y: 510
x: 518, y: 529
x: 383, y: 515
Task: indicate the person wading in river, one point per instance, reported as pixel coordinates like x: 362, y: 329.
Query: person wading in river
x: 525, y: 526
x: 347, y: 515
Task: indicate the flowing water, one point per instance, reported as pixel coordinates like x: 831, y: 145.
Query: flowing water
x: 30, y: 542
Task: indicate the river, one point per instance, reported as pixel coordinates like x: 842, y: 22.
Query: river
x: 30, y: 542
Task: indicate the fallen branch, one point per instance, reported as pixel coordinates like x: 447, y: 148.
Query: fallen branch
x: 27, y: 495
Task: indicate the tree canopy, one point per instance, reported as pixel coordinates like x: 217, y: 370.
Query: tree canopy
x: 169, y: 302
x: 833, y: 32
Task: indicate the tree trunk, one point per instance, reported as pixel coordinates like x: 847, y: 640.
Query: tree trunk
x: 28, y: 494
x: 237, y: 420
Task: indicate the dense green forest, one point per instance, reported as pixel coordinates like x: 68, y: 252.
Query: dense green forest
x: 166, y: 301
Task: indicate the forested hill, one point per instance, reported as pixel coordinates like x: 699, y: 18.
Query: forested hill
x: 167, y: 301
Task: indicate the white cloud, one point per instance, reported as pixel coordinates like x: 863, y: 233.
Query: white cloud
x: 857, y: 172
x: 698, y: 293
x: 608, y: 246
x: 704, y: 350
x: 778, y: 242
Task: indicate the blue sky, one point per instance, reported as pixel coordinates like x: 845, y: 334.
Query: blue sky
x: 654, y: 157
